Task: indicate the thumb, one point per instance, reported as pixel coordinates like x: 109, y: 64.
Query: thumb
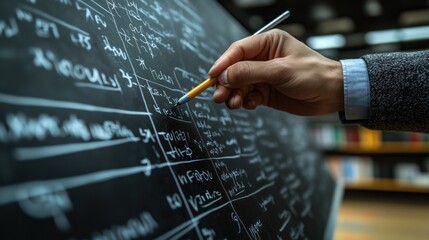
x: 251, y: 72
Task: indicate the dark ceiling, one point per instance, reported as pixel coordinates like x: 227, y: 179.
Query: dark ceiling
x: 352, y: 19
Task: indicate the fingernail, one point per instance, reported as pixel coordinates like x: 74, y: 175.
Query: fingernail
x: 215, y: 94
x: 223, y: 78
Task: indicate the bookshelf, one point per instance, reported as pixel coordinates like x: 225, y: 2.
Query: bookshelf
x: 387, y: 185
x: 375, y: 160
x: 385, y: 148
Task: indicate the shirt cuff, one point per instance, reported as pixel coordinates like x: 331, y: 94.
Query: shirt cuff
x: 356, y: 90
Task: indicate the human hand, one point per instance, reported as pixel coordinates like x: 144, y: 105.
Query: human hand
x: 276, y: 70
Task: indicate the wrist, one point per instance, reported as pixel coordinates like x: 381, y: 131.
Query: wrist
x: 334, y: 79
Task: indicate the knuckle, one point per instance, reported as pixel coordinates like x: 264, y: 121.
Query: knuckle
x: 285, y: 34
x: 277, y: 31
x: 238, y: 48
x: 235, y: 44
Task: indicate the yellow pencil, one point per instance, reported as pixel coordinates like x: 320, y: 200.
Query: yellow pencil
x: 210, y: 81
x: 197, y: 90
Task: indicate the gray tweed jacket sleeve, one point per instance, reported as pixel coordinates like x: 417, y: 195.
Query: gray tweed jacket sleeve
x: 399, y: 91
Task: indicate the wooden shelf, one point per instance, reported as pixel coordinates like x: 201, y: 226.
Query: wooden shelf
x: 387, y: 185
x: 384, y: 148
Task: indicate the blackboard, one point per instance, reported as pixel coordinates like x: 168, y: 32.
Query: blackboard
x: 90, y: 147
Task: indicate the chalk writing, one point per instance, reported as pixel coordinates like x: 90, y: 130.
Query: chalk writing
x: 208, y: 233
x: 8, y: 29
x: 255, y: 228
x: 20, y: 127
x: 195, y: 176
x: 42, y: 203
x: 96, y: 17
x: 91, y: 77
x: 116, y: 51
x: 284, y: 216
x: 174, y: 201
x: 91, y: 147
x: 139, y: 227
x: 265, y: 202
x: 235, y: 219
x: 204, y: 200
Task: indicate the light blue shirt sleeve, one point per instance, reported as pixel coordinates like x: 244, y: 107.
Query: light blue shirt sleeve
x: 356, y: 89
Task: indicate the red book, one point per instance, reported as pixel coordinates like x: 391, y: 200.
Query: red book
x: 352, y: 135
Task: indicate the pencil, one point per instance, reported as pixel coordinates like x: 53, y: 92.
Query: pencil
x: 212, y: 80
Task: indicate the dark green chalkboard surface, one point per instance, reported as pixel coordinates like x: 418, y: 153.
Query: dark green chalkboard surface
x: 91, y: 149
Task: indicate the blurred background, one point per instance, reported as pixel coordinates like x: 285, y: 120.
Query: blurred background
x: 386, y: 173
x: 343, y: 29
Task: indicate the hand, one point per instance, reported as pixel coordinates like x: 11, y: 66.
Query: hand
x: 276, y: 70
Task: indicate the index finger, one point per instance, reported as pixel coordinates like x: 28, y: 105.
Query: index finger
x: 244, y: 49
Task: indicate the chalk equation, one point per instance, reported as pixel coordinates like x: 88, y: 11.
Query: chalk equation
x: 91, y: 148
